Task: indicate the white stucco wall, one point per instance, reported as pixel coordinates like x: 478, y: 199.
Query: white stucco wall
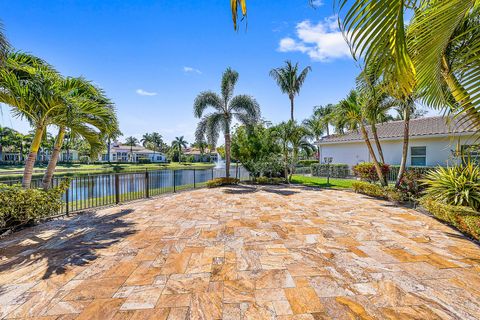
x: 439, y: 150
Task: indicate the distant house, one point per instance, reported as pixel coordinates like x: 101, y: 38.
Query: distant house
x: 123, y: 153
x: 433, y: 141
x: 198, y: 156
x: 13, y: 156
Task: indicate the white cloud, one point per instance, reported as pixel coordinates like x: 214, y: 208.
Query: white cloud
x: 317, y: 3
x: 142, y: 92
x: 191, y: 70
x: 322, y: 41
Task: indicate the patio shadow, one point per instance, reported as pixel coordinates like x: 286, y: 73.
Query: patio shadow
x: 76, y: 244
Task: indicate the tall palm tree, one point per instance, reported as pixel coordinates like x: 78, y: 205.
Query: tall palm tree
x: 283, y: 133
x: 353, y: 112
x: 132, y: 142
x: 226, y: 108
x: 87, y: 113
x: 315, y: 126
x: 31, y: 87
x: 415, y: 59
x: 178, y: 145
x: 290, y: 81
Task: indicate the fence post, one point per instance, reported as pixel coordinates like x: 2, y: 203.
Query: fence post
x: 174, y: 182
x: 117, y: 189
x: 147, y: 184
x: 66, y: 201
x: 212, y: 173
x: 194, y: 182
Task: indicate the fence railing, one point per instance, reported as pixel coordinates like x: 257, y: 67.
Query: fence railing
x: 98, y: 190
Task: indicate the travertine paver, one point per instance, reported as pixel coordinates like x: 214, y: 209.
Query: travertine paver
x: 242, y: 253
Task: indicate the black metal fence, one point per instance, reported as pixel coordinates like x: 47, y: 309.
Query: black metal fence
x: 98, y: 190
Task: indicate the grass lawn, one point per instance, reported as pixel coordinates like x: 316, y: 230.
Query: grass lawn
x: 321, y: 182
x: 10, y: 172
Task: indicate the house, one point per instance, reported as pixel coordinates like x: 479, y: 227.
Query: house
x: 198, y: 156
x: 123, y: 153
x: 433, y: 141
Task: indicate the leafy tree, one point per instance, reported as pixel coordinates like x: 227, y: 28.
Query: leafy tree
x: 325, y: 116
x: 290, y: 81
x: 226, y: 108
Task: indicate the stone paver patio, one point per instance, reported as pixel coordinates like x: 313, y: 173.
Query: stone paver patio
x: 242, y: 253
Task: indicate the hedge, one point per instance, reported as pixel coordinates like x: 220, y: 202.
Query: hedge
x: 19, y: 206
x: 463, y: 218
x: 337, y: 170
x: 367, y: 171
x: 218, y: 182
x: 392, y: 175
x: 306, y: 163
x: 375, y: 190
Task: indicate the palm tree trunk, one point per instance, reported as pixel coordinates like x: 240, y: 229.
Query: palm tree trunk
x: 460, y: 94
x: 32, y: 155
x: 377, y: 143
x: 291, y: 107
x: 1, y: 153
x: 227, y: 154
x: 381, y: 177
x: 47, y: 177
x: 406, y: 134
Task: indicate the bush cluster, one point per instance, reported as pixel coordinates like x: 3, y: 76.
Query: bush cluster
x: 218, y: 182
x: 266, y: 180
x: 375, y: 190
x: 20, y: 206
x: 306, y: 163
x: 337, y: 170
x: 463, y: 218
x: 411, y: 184
x: 367, y: 172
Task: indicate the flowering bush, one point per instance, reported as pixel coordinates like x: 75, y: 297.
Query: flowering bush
x: 366, y: 171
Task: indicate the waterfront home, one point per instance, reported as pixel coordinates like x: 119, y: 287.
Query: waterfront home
x: 123, y: 153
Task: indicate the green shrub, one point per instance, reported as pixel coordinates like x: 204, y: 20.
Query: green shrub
x: 267, y: 180
x: 463, y: 218
x: 367, y: 172
x: 306, y: 163
x: 458, y: 185
x: 411, y: 183
x: 337, y: 170
x: 375, y: 190
x: 20, y: 206
x: 218, y: 182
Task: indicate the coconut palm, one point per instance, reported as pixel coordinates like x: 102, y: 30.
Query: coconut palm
x: 353, y: 112
x: 416, y: 58
x: 87, y: 113
x: 325, y: 115
x: 178, y: 145
x: 31, y: 87
x: 226, y: 108
x: 290, y: 81
x: 146, y: 139
x: 132, y: 142
x: 315, y: 126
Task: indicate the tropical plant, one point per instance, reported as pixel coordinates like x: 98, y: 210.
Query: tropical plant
x: 4, y: 45
x: 326, y: 116
x: 290, y: 81
x: 235, y: 4
x: 439, y: 48
x: 146, y: 139
x: 457, y: 185
x: 178, y: 145
x: 315, y: 126
x: 87, y: 113
x: 31, y: 87
x: 227, y: 107
x: 131, y: 142
x: 353, y: 113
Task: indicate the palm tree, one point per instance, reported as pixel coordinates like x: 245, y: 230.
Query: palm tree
x: 419, y: 58
x: 299, y: 142
x: 30, y: 86
x: 353, y: 112
x: 132, y: 142
x: 315, y: 126
x: 325, y: 115
x: 283, y: 133
x: 290, y: 81
x: 4, y: 45
x: 87, y: 113
x: 235, y: 4
x: 226, y: 108
x: 178, y: 145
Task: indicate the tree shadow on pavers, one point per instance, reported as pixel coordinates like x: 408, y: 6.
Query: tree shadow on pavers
x: 76, y: 244
x: 282, y: 190
x: 240, y: 189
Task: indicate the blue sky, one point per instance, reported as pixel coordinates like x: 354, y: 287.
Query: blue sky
x: 153, y: 57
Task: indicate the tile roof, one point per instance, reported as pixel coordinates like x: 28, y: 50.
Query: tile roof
x: 427, y: 126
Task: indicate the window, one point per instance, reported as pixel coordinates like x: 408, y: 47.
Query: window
x: 419, y: 156
x: 471, y: 153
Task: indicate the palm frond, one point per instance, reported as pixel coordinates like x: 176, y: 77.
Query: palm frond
x: 245, y: 104
x: 235, y: 4
x: 229, y: 80
x: 204, y: 100
x: 4, y: 45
